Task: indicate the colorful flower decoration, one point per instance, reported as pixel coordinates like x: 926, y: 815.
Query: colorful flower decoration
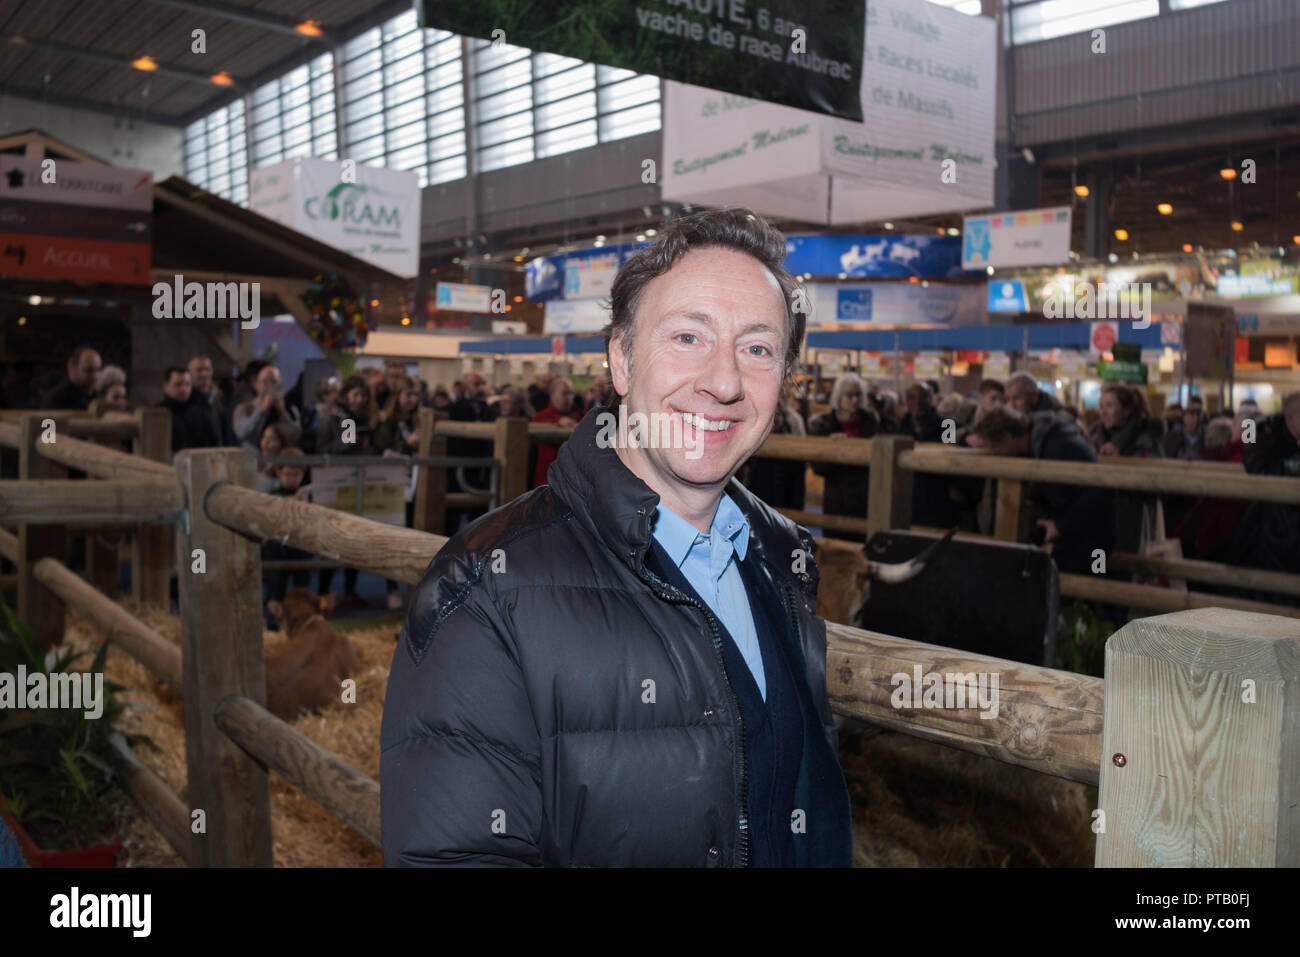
x: 339, y: 314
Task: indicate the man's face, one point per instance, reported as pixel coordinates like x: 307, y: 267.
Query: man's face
x: 83, y: 372
x: 268, y: 380
x: 475, y: 386
x: 201, y: 374
x: 393, y: 377
x: 1021, y: 399
x: 709, y: 342
x: 1192, y: 419
x: 988, y: 401
x: 115, y: 397
x: 562, y: 395
x: 178, y: 387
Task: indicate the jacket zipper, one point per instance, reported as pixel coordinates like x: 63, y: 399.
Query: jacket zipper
x: 742, y: 842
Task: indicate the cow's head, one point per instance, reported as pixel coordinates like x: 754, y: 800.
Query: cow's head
x: 892, y: 573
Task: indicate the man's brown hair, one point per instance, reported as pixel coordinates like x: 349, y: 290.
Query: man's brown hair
x: 996, y: 425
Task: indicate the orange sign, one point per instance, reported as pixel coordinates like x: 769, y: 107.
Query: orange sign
x: 70, y: 257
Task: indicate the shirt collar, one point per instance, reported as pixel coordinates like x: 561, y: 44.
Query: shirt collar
x: 678, y: 536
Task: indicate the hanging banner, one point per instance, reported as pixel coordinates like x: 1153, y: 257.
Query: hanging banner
x: 581, y: 274
x: 463, y: 297
x: 1007, y: 295
x: 590, y: 277
x: 1208, y: 337
x: 803, y: 53
x: 1033, y: 237
x: 82, y: 221
x: 368, y: 211
x: 925, y: 144
x: 881, y: 256
x: 575, y: 315
x: 896, y: 303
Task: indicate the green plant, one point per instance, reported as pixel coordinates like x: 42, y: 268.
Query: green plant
x: 56, y: 764
x: 1081, y: 639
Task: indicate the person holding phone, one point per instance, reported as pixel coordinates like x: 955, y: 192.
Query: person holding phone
x: 265, y: 408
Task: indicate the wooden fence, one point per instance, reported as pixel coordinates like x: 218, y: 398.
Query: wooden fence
x: 1192, y: 738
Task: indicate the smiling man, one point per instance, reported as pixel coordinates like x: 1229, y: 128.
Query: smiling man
x: 625, y: 667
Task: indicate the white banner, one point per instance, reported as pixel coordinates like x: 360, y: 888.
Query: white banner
x: 896, y: 303
x: 463, y: 297
x: 925, y: 146
x: 383, y: 493
x: 368, y: 211
x: 590, y: 277
x: 1031, y: 237
x: 78, y: 184
x: 574, y: 315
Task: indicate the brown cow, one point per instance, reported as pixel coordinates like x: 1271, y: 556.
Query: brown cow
x: 306, y: 672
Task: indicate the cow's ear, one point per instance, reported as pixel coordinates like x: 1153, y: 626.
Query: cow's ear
x: 327, y: 603
x: 276, y: 610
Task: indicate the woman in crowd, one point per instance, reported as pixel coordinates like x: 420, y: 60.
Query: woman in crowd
x: 399, y: 431
x: 110, y: 392
x: 275, y: 438
x: 846, y: 485
x: 1125, y: 426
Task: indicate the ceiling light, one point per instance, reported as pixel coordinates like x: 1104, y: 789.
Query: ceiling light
x: 145, y: 63
x: 1237, y: 226
x: 889, y: 225
x: 1121, y: 234
x: 1228, y: 173
x: 519, y: 298
x: 953, y: 231
x: 1164, y: 209
x: 1081, y: 191
x: 600, y: 238
x: 310, y: 28
x: 1187, y: 247
x: 989, y: 269
x: 33, y: 300
x: 652, y: 232
x: 1296, y: 240
x: 22, y: 320
x: 1113, y: 258
x: 519, y: 259
x: 222, y: 79
x: 640, y: 237
x: 942, y: 230
x: 456, y: 260
x: 406, y: 320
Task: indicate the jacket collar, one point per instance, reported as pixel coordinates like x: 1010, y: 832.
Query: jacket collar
x: 617, y: 508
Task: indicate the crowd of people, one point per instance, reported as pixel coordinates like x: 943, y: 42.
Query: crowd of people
x: 378, y: 410
x: 1018, y: 418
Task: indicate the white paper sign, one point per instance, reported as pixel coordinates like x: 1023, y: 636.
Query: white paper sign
x: 463, y: 297
x: 927, y: 364
x: 384, y: 494
x: 1031, y: 237
x: 1073, y: 364
x: 574, y: 315
x: 78, y: 184
x: 368, y: 211
x: 997, y: 364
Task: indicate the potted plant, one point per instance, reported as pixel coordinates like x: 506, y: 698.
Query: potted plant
x: 57, y: 787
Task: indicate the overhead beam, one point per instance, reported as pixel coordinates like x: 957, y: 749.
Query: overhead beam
x: 83, y: 53
x: 112, y: 108
x: 255, y: 18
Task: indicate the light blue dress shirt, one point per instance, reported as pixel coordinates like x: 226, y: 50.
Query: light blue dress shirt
x: 709, y: 563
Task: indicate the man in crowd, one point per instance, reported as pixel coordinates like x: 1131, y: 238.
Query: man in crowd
x: 193, y: 423
x: 932, y: 504
x: 1075, y: 519
x: 1025, y: 397
x: 640, y: 680
x: 1268, y: 535
x: 266, y: 407
x: 560, y: 411
x: 472, y: 406
x: 78, y: 386
x: 205, y: 387
x: 394, y: 373
x: 991, y: 395
x: 1186, y: 439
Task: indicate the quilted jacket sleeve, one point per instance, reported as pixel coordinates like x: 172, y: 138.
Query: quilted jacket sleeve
x: 461, y: 756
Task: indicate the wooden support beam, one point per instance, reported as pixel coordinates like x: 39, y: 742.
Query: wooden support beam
x: 830, y: 523
x: 131, y: 634
x: 159, y: 804
x: 431, y: 486
x: 510, y: 448
x: 1046, y: 719
x: 107, y: 429
x: 9, y: 545
x: 151, y: 548
x: 323, y: 776
x: 221, y: 654
x: 38, y: 607
x: 1007, y: 510
x: 54, y: 502
x: 1151, y: 598
x: 388, y: 551
x: 889, y: 495
x: 107, y: 463
x: 1256, y: 579
x: 1201, y: 751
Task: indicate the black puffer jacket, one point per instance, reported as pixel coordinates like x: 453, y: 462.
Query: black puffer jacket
x: 515, y: 731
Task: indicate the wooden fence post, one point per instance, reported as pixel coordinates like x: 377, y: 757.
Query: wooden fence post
x: 431, y: 487
x: 510, y: 448
x: 889, y: 492
x: 1200, y: 761
x: 102, y: 556
x: 221, y: 652
x: 1007, y: 513
x: 39, y: 607
x: 151, y: 546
